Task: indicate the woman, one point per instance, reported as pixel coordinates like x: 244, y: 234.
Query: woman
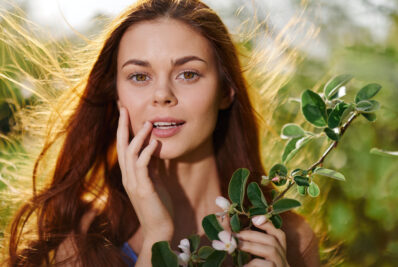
x: 163, y: 121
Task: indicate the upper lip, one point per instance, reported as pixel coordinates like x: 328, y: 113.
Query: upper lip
x: 166, y: 119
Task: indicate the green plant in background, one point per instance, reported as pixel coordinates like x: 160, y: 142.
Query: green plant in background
x: 331, y: 116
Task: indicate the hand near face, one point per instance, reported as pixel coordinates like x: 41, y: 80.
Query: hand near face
x: 155, y: 220
x: 270, y: 246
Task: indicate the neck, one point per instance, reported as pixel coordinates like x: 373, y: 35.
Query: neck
x: 190, y: 181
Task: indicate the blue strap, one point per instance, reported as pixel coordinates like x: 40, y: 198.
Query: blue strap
x: 126, y: 249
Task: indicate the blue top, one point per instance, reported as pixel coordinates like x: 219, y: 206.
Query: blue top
x: 128, y: 251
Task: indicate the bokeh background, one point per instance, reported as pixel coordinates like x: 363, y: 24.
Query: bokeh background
x: 359, y: 37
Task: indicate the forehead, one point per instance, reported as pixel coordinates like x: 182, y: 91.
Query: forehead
x: 162, y: 39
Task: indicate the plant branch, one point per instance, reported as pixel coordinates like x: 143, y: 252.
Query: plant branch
x: 320, y: 161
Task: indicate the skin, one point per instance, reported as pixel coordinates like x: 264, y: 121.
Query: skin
x: 173, y: 182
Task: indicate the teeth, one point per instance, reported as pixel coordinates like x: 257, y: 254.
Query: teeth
x: 157, y: 124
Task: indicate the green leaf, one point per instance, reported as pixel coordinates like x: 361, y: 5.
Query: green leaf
x: 302, y: 190
x: 313, y: 189
x: 276, y: 221
x: 292, y: 130
x: 215, y: 259
x: 313, y: 108
x: 257, y: 211
x: 285, y: 204
x: 211, y: 226
x: 256, y: 196
x: 241, y: 258
x: 163, y: 256
x: 347, y: 112
x: 335, y: 117
x: 381, y: 152
x: 301, y: 180
x: 205, y: 252
x: 369, y: 116
x: 367, y: 106
x: 293, y: 146
x: 332, y: 86
x: 331, y: 134
x: 194, y: 241
x: 329, y: 173
x: 236, y: 189
x: 367, y: 92
x: 278, y: 170
x: 299, y: 172
x: 235, y: 223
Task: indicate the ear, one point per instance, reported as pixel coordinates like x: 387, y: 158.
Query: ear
x: 227, y: 98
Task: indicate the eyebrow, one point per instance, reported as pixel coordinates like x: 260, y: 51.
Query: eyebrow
x: 178, y: 62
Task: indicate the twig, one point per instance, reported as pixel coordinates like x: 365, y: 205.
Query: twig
x: 320, y: 161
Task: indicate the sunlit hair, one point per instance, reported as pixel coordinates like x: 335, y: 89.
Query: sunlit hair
x: 76, y: 117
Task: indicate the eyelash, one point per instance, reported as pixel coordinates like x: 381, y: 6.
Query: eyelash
x: 197, y: 75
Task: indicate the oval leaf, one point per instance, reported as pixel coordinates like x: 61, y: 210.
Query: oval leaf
x: 256, y: 196
x: 215, y: 259
x: 257, y: 211
x: 332, y: 87
x: 302, y: 190
x: 313, y: 190
x: 367, y: 106
x: 293, y: 146
x: 329, y: 173
x: 292, y: 130
x: 301, y: 180
x: 235, y: 223
x: 313, y: 108
x: 211, y: 226
x: 381, y: 152
x: 205, y: 252
x: 367, y: 92
x: 335, y: 117
x: 163, y: 256
x: 369, y: 116
x: 331, y: 134
x: 285, y: 204
x: 194, y: 241
x: 276, y: 221
x: 236, y: 189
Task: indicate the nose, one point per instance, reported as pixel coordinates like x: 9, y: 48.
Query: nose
x: 164, y: 95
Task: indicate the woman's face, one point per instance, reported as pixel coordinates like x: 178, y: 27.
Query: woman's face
x: 166, y: 74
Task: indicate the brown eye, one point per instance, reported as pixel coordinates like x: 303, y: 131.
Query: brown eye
x: 138, y: 77
x: 189, y: 75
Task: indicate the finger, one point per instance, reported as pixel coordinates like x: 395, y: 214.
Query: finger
x: 141, y: 165
x: 258, y: 237
x: 136, y: 144
x: 268, y: 252
x: 122, y: 136
x: 267, y: 226
x: 259, y: 263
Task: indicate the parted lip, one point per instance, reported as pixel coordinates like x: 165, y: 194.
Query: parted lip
x: 166, y: 119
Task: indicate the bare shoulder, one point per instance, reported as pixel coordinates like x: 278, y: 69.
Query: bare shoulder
x: 302, y: 243
x: 66, y: 253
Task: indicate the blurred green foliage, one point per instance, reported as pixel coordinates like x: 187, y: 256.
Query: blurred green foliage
x: 361, y: 212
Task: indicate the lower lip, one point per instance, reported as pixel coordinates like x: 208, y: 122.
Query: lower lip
x: 163, y: 133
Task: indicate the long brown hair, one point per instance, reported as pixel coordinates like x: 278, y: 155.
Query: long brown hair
x: 87, y: 172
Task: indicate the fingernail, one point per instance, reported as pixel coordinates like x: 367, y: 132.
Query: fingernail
x: 259, y: 220
x: 147, y: 123
x: 153, y: 141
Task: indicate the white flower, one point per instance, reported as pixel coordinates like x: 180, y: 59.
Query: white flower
x: 183, y: 258
x: 223, y: 203
x: 226, y: 242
